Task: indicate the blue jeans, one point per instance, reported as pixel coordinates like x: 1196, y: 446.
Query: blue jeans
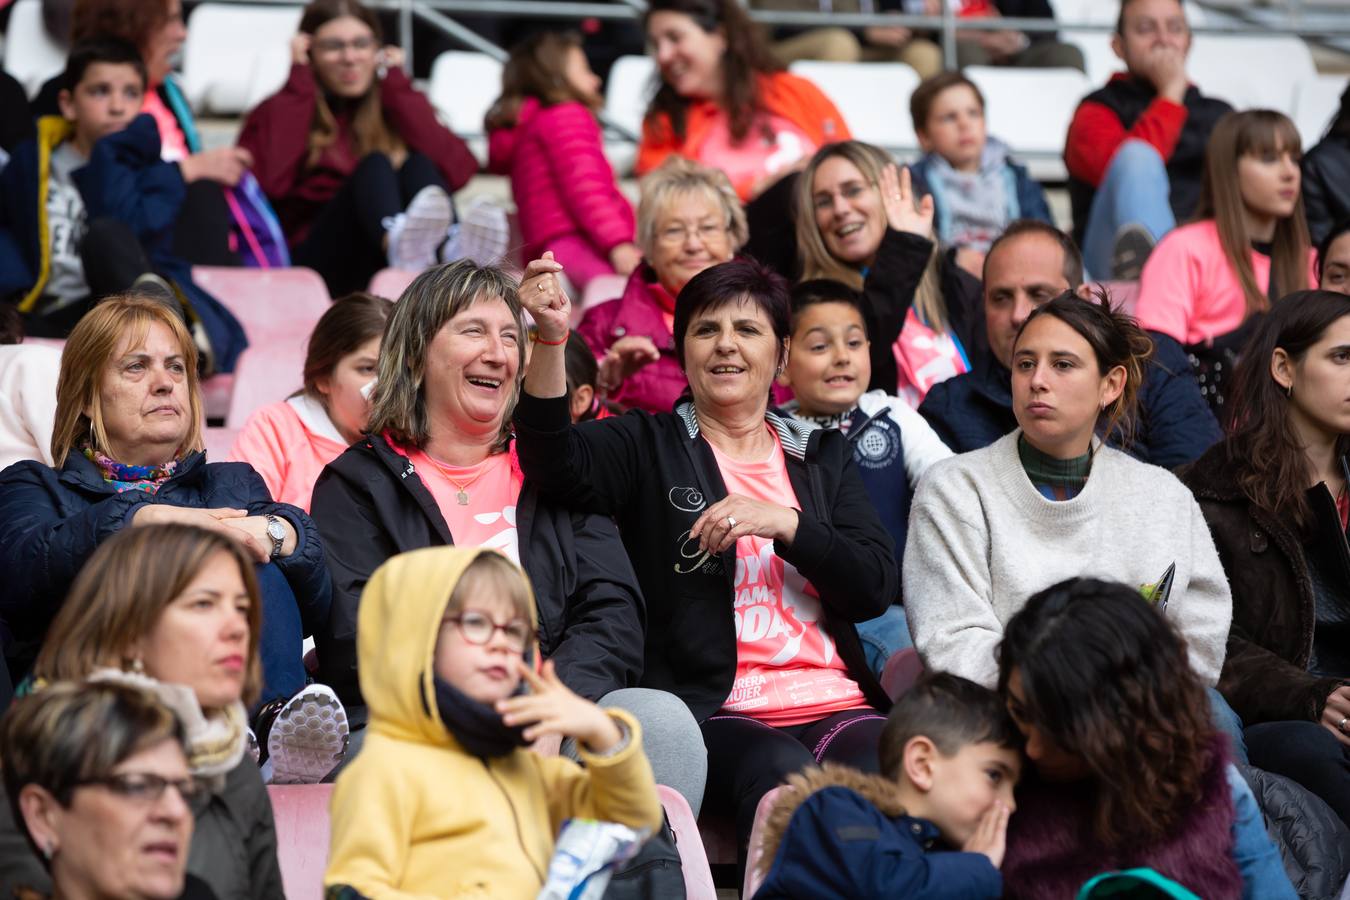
x: 1228, y: 722
x: 888, y: 633
x: 281, y: 640
x: 1135, y: 191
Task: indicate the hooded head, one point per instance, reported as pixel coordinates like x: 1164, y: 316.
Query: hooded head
x: 424, y: 673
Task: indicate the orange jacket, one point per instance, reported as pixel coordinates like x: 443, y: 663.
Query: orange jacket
x: 780, y: 94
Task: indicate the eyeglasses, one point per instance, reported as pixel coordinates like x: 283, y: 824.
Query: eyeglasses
x: 146, y: 788
x: 333, y: 47
x: 678, y: 234
x: 479, y: 629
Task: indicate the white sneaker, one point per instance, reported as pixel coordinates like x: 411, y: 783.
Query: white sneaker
x: 416, y: 233
x: 308, y: 738
x: 483, y: 234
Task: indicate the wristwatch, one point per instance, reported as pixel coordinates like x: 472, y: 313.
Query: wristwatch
x: 277, y: 532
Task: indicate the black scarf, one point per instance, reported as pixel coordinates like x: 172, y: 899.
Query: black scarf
x: 477, y: 726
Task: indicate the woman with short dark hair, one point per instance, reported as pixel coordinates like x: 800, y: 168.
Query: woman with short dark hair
x: 752, y: 535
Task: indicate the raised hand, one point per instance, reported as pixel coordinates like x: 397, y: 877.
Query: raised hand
x: 991, y: 835
x: 552, y: 709
x: 902, y: 212
x: 542, y: 294
x: 300, y: 48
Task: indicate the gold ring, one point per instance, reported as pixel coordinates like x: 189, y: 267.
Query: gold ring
x: 541, y: 285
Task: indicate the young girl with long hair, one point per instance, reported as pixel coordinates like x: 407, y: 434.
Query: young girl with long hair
x: 1050, y: 501
x: 1127, y: 770
x: 722, y: 99
x: 1274, y: 495
x: 352, y: 156
x: 858, y: 223
x: 543, y: 134
x: 1247, y: 246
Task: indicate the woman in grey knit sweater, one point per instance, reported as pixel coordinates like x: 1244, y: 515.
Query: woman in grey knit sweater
x: 1048, y: 502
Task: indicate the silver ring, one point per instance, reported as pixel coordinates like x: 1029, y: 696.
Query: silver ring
x: 732, y: 521
x: 1341, y: 726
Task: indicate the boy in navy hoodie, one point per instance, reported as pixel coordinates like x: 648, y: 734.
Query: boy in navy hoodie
x: 88, y: 207
x: 932, y: 826
x: 828, y: 369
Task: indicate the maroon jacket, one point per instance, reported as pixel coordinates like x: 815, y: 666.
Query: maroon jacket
x: 277, y: 134
x: 656, y: 386
x: 560, y: 178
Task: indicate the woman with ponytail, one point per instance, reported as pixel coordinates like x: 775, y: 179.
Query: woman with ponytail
x: 1049, y: 501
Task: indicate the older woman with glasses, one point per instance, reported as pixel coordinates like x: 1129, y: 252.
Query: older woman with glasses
x: 688, y: 219
x: 98, y: 776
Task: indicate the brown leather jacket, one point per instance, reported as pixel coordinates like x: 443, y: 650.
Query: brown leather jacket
x: 1265, y: 675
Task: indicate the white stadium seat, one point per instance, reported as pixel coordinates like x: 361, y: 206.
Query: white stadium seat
x: 872, y: 97
x: 1030, y: 111
x: 1251, y: 72
x: 629, y: 90
x: 1315, y: 103
x: 31, y: 55
x: 464, y: 85
x: 236, y: 56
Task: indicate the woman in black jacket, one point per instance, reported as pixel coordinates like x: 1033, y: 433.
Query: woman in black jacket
x: 858, y: 223
x: 127, y: 447
x: 437, y: 468
x: 755, y: 543
x: 1326, y: 172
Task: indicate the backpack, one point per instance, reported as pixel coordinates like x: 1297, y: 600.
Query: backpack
x: 656, y: 872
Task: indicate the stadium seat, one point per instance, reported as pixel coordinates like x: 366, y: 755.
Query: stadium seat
x: 31, y: 55
x: 302, y: 823
x: 755, y: 850
x: 218, y: 442
x: 902, y: 669
x: 1223, y: 66
x: 1315, y: 104
x: 1030, y: 111
x: 630, y: 88
x: 464, y: 85
x: 601, y: 289
x: 872, y: 97
x: 390, y: 283
x: 698, y: 880
x: 236, y: 56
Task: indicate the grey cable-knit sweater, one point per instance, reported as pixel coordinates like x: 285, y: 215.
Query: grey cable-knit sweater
x: 982, y: 541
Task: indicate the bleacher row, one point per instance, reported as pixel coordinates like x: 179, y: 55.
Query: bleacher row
x: 237, y: 55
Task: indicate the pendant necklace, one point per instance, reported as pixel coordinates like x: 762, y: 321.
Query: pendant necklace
x: 462, y: 495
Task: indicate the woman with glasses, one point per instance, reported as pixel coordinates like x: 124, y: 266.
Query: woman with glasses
x: 688, y: 219
x: 351, y: 155
x: 99, y: 776
x: 172, y: 610
x: 438, y: 467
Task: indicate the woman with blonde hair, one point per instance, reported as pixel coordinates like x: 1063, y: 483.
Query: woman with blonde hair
x: 174, y: 611
x: 352, y: 156
x: 688, y: 220
x: 1206, y: 282
x: 438, y: 467
x: 858, y: 223
x: 127, y: 451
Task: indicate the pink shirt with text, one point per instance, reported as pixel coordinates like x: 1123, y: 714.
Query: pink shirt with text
x: 787, y: 668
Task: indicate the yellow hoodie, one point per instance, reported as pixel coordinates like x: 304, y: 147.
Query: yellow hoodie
x: 414, y: 815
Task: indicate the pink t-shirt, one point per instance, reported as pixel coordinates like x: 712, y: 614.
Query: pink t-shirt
x: 172, y: 142
x: 773, y: 144
x: 787, y: 669
x: 492, y: 487
x: 923, y: 357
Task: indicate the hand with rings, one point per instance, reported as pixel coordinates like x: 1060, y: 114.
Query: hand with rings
x: 1336, y: 714
x: 902, y: 212
x: 542, y: 295
x: 735, y: 516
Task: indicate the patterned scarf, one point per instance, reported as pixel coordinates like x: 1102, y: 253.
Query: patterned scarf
x: 130, y: 478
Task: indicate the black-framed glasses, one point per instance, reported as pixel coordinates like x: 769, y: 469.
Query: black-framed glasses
x: 479, y: 629
x: 146, y: 787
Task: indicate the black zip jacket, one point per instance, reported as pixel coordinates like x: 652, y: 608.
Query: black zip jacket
x: 371, y: 504
x: 655, y: 474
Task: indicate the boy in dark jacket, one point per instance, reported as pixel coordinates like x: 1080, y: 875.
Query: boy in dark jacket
x: 950, y: 757
x: 88, y: 207
x: 977, y: 189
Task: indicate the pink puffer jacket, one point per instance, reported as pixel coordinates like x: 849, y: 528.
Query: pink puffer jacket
x: 561, y: 180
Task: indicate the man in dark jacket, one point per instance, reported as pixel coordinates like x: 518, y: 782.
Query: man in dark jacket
x: 1136, y: 148
x: 1030, y: 264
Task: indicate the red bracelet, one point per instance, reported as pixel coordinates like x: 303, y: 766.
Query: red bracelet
x: 557, y: 343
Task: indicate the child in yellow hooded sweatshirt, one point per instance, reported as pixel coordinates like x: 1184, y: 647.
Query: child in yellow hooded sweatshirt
x: 444, y: 800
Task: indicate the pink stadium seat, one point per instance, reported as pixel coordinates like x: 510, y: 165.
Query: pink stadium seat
x: 1124, y: 294
x: 58, y: 343
x: 752, y: 878
x: 390, y: 283
x: 218, y: 442
x: 301, y: 814
x: 698, y: 880
x: 901, y: 671
x: 602, y: 288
